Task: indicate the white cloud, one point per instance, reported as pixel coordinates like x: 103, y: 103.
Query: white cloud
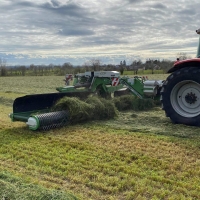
x: 55, y: 30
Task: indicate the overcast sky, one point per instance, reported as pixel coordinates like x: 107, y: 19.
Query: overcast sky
x: 59, y: 31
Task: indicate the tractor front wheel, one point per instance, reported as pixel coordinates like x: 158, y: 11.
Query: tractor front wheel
x: 180, y: 96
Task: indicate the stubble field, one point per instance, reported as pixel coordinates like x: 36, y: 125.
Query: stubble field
x: 138, y: 155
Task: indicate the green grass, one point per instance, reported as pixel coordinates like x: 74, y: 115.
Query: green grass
x: 139, y: 155
x: 99, y: 162
x: 150, y: 76
x: 142, y: 72
x: 43, y: 84
x: 31, y: 84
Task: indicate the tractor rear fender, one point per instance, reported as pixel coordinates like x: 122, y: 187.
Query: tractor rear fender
x: 195, y: 62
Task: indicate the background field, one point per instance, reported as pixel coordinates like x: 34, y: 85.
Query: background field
x: 139, y: 155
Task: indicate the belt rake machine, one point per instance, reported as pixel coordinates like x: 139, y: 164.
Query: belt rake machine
x: 179, y: 94
x: 35, y: 109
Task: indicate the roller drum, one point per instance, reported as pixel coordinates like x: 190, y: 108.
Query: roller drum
x: 48, y: 121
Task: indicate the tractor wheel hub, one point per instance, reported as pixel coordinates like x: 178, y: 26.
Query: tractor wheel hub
x: 190, y: 98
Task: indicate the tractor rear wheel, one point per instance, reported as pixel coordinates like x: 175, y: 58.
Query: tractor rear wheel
x: 180, y: 96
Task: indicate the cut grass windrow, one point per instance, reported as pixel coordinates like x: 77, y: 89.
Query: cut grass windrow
x: 14, y: 188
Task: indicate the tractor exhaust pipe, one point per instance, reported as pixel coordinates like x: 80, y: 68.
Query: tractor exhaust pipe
x: 198, y: 50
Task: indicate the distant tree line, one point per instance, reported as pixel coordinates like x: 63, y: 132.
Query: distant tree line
x: 137, y: 67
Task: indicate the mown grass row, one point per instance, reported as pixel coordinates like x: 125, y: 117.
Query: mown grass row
x: 95, y: 108
x: 14, y: 188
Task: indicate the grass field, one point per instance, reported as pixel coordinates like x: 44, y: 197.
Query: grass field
x: 147, y: 72
x: 139, y: 155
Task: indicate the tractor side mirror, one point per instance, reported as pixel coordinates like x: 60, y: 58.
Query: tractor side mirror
x: 198, y: 31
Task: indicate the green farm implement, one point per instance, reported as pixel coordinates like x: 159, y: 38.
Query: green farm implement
x: 35, y: 109
x: 179, y: 94
x: 104, y: 83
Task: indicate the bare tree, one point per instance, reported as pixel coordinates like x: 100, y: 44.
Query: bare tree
x: 182, y: 56
x: 136, y: 65
x: 166, y: 65
x: 23, y: 70
x: 152, y: 65
x: 67, y: 68
x: 3, y: 70
x: 95, y: 64
x: 122, y: 67
x: 85, y: 66
x: 34, y: 69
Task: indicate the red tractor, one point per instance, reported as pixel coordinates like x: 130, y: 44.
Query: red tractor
x: 180, y: 94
